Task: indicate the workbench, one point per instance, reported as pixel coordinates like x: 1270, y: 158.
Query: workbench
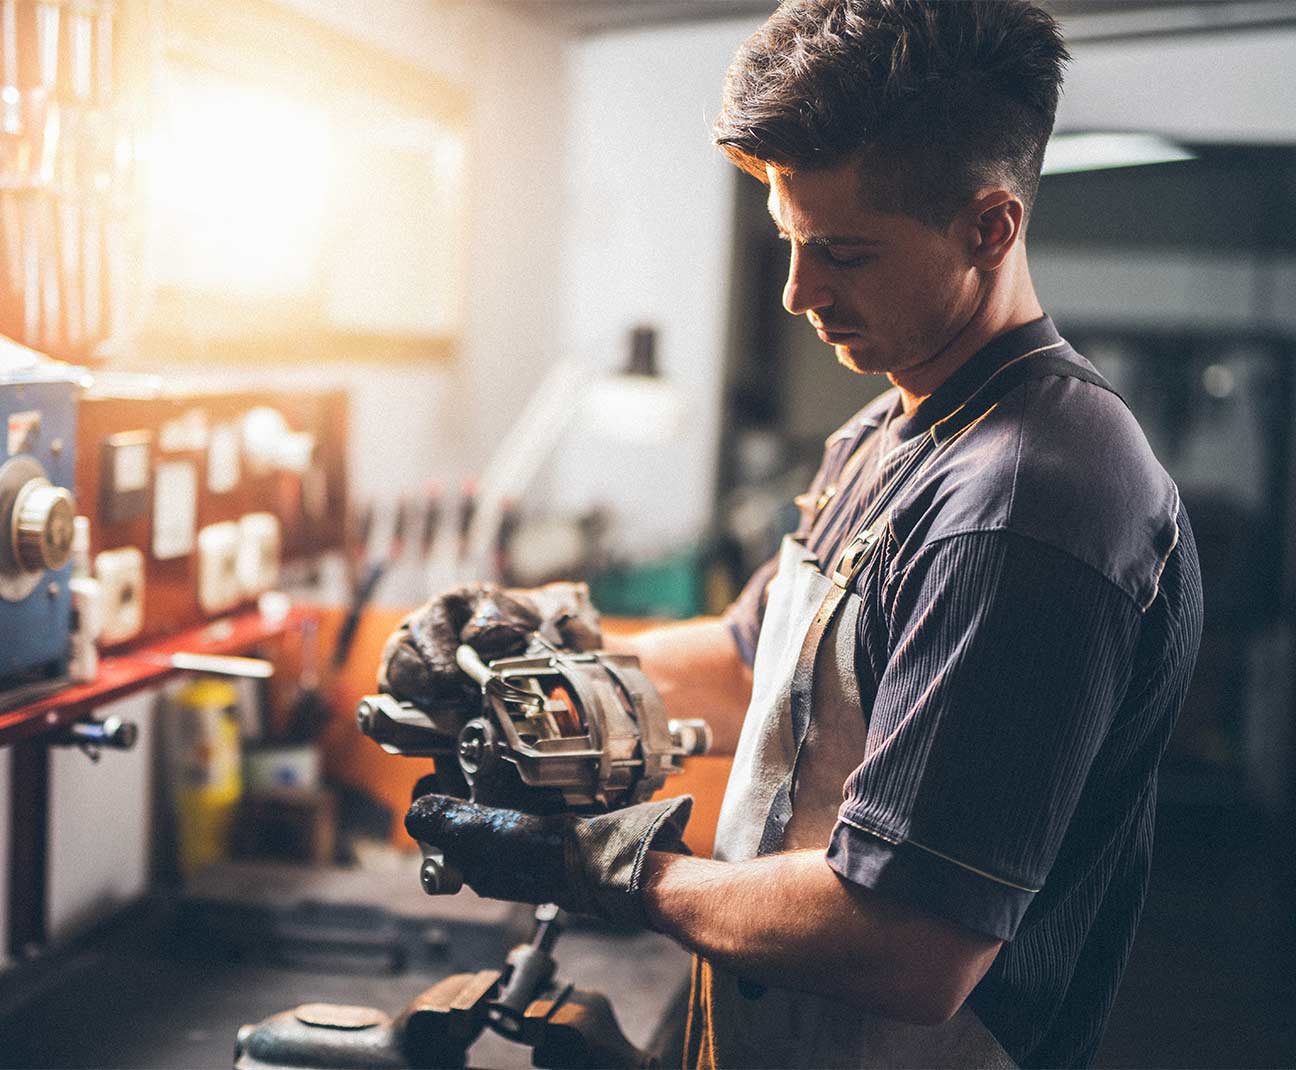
x: 29, y: 726
x: 163, y: 988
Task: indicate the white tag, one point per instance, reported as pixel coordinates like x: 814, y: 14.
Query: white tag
x: 130, y: 463
x: 223, y: 459
x: 120, y: 573
x: 260, y: 540
x: 218, y: 573
x: 175, y: 509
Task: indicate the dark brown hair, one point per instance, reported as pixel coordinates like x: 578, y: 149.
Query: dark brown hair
x: 936, y: 99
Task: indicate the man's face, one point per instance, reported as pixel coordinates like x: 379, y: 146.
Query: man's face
x: 885, y: 291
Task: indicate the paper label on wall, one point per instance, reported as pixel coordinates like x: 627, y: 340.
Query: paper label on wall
x: 223, y: 459
x: 175, y: 509
x: 130, y: 467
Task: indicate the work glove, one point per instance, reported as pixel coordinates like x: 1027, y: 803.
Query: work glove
x: 418, y: 661
x: 588, y: 865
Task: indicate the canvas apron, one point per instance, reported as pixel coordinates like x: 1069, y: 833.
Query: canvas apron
x: 805, y: 732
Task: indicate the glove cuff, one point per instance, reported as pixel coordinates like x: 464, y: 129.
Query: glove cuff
x: 606, y: 856
x: 568, y: 616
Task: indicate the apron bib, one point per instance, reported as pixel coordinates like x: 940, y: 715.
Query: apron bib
x: 781, y: 1028
x: 805, y: 732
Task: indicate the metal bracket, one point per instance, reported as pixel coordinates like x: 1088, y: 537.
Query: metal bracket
x: 853, y: 558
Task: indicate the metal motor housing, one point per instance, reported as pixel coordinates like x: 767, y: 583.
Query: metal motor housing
x: 580, y: 732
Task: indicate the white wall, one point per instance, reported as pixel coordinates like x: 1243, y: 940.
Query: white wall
x: 417, y: 422
x: 648, y: 228
x: 1232, y: 86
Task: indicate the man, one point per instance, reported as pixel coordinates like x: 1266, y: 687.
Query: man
x: 950, y: 692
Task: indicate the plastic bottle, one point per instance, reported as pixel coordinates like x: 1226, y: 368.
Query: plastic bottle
x: 206, y: 766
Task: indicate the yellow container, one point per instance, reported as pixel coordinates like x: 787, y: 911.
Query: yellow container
x: 208, y: 774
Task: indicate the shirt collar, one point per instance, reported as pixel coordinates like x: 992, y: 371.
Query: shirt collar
x: 973, y: 373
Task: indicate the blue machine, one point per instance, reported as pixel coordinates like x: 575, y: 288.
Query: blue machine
x: 37, y: 461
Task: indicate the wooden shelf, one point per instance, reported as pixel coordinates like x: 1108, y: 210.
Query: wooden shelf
x: 137, y: 668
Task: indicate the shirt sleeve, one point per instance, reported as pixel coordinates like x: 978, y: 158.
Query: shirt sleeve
x: 1008, y: 660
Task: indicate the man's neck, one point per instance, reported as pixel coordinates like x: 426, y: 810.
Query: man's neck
x: 1008, y: 302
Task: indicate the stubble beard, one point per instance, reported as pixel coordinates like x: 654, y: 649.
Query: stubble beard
x: 861, y: 363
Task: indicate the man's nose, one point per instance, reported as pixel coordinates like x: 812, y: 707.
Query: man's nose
x: 806, y: 288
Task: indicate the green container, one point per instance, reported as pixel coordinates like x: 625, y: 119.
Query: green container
x: 673, y: 587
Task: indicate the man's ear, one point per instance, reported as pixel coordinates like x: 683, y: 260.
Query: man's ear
x: 995, y: 226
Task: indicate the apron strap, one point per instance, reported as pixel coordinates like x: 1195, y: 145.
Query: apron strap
x: 863, y: 545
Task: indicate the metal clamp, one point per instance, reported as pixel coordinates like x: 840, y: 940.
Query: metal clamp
x: 92, y: 736
x: 853, y: 558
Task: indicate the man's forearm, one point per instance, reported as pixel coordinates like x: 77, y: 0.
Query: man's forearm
x: 788, y: 920
x: 696, y: 667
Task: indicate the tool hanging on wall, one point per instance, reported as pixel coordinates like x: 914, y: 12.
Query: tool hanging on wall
x: 371, y: 574
x: 311, y: 708
x: 58, y: 169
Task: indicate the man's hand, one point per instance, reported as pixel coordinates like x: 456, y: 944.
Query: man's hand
x: 589, y: 865
x: 418, y: 661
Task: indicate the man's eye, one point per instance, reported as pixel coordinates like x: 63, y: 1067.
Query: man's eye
x: 841, y: 258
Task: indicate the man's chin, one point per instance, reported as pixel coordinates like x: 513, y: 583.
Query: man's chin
x: 859, y: 359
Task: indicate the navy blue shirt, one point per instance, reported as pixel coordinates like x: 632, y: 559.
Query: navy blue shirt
x: 1026, y: 639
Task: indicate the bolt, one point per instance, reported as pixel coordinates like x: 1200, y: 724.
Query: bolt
x: 470, y: 749
x: 430, y: 876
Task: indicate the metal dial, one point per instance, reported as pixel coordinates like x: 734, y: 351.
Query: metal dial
x: 35, y: 526
x: 42, y: 526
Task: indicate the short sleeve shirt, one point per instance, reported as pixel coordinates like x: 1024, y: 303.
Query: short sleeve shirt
x: 1025, y: 642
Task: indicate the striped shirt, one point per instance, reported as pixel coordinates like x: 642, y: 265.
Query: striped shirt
x: 1026, y: 639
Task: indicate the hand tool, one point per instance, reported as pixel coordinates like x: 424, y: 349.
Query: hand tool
x: 564, y: 1026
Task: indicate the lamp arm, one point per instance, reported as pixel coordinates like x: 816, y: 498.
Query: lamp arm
x: 517, y: 460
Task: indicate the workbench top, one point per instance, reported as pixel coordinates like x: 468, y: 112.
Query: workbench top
x: 145, y: 993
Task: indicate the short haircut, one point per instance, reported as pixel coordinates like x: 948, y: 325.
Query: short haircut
x: 936, y: 99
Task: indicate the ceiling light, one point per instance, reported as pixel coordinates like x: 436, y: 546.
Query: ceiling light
x: 1099, y: 151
